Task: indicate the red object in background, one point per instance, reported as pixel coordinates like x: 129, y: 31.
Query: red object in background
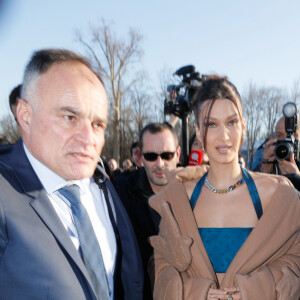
x: 195, y: 158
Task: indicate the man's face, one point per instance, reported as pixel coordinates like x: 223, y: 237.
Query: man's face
x: 112, y: 165
x: 64, y: 124
x: 126, y: 165
x: 159, y: 143
x: 280, y: 130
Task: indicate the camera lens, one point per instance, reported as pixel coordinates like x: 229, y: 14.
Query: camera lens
x: 283, y: 151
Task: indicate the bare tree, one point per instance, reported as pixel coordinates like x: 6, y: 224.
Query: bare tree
x: 127, y: 132
x: 272, y: 102
x: 165, y: 78
x: 295, y: 92
x: 111, y: 57
x: 141, y: 107
x: 136, y: 111
x: 253, y: 111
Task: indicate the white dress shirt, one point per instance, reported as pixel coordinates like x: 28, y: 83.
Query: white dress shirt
x: 94, y: 202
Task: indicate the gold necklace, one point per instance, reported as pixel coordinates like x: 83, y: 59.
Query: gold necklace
x: 226, y: 190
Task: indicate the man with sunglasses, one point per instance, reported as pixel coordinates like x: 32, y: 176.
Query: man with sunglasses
x: 160, y: 154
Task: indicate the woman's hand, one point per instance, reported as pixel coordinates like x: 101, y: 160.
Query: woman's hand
x: 227, y: 293
x: 216, y: 294
x: 234, y: 292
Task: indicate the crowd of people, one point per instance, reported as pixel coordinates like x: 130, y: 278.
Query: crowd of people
x: 74, y: 225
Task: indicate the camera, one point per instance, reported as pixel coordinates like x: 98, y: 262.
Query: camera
x: 288, y: 146
x: 179, y: 101
x: 180, y: 97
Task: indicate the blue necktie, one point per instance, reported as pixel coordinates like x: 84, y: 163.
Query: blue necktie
x: 90, y: 248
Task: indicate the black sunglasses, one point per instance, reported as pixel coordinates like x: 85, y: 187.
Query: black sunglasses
x: 152, y: 156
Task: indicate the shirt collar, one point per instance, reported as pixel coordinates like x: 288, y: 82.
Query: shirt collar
x: 50, y: 180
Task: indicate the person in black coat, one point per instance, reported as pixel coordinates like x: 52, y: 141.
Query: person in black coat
x: 160, y: 154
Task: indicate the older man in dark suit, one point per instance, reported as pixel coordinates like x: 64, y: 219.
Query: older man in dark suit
x: 63, y: 232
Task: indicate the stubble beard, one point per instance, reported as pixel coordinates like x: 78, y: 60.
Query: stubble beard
x: 158, y: 181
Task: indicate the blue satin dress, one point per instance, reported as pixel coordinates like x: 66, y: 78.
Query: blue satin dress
x: 222, y: 244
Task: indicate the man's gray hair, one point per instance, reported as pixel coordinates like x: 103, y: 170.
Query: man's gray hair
x: 42, y: 60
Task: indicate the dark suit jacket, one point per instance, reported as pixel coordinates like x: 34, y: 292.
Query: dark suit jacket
x: 134, y: 191
x: 37, y: 257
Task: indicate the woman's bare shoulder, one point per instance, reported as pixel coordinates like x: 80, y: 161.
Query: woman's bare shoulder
x: 190, y: 186
x: 269, y: 179
x: 267, y: 185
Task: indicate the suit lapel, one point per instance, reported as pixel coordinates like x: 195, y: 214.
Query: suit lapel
x: 30, y: 184
x: 105, y: 185
x: 42, y: 206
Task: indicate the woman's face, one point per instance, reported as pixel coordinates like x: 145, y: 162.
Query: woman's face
x: 225, y: 131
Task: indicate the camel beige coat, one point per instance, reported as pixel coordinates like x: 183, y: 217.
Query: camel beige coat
x: 267, y: 267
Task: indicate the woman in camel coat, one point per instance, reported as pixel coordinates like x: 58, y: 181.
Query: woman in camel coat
x: 227, y: 233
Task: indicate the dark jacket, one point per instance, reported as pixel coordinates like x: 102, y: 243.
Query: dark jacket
x: 134, y: 191
x: 37, y: 257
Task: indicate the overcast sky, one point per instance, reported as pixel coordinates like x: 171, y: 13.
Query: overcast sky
x: 245, y: 40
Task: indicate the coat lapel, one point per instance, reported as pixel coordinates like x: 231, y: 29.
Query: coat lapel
x: 29, y: 184
x: 188, y: 226
x: 42, y: 206
x: 259, y: 247
x: 263, y: 245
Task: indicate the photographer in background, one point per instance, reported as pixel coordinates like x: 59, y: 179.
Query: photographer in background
x: 179, y: 102
x: 272, y: 165
x: 269, y: 162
